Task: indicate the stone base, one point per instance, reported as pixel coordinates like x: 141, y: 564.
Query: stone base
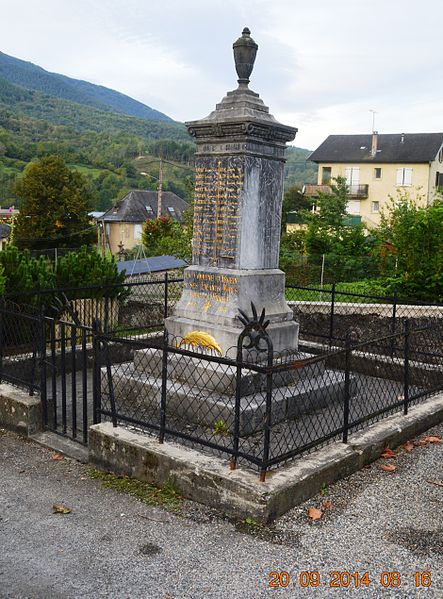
x: 238, y: 493
x: 212, y: 298
x: 284, y: 335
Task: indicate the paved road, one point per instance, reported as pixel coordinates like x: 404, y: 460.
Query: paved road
x: 112, y: 545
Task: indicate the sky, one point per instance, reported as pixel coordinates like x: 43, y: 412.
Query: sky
x: 322, y: 66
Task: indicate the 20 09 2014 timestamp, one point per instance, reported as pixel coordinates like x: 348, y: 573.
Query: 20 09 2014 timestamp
x: 344, y: 579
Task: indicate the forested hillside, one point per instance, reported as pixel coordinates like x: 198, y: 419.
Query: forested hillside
x: 31, y: 76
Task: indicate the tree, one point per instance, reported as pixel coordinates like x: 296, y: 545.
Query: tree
x: 165, y: 237
x: 54, y: 203
x: 294, y: 201
x: 413, y: 236
x: 326, y: 227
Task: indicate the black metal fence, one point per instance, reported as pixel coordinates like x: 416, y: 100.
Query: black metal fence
x: 130, y: 309
x: 327, y: 314
x: 252, y: 405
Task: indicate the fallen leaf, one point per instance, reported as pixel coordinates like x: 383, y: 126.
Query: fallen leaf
x: 388, y: 453
x: 57, y: 456
x: 438, y: 483
x: 432, y: 439
x: 388, y: 467
x: 408, y: 446
x: 60, y: 508
x: 314, y: 513
x: 420, y: 443
x: 327, y: 504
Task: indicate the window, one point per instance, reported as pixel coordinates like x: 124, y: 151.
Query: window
x: 171, y: 210
x: 375, y: 206
x: 404, y: 176
x: 150, y: 211
x: 137, y: 232
x: 377, y: 173
x: 352, y: 174
x: 353, y: 207
x: 326, y: 175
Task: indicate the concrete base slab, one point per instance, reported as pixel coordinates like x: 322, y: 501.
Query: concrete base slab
x: 19, y: 411
x: 238, y: 493
x: 63, y: 445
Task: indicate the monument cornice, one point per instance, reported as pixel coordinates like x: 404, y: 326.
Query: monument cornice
x: 204, y: 131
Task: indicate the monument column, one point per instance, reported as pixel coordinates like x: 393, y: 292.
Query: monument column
x: 237, y: 217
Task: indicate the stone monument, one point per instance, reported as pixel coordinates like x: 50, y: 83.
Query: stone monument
x: 238, y: 200
x: 237, y: 217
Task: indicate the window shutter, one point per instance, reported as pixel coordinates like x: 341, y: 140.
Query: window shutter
x: 399, y: 176
x: 408, y: 176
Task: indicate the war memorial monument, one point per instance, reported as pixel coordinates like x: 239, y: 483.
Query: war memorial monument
x: 233, y: 277
x: 237, y: 217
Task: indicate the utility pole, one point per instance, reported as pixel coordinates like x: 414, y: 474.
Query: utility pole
x: 160, y: 190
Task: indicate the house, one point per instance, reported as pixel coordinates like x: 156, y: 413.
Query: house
x: 121, y: 226
x: 376, y: 166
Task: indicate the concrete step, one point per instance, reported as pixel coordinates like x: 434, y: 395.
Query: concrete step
x: 62, y: 445
x: 221, y: 378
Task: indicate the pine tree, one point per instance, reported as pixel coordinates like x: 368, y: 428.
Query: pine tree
x: 54, y: 203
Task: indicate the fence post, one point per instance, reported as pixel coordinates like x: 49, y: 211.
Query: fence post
x: 1, y: 346
x: 96, y: 380
x: 106, y: 316
x: 165, y: 307
x: 161, y: 435
x: 331, y: 317
x: 268, y: 415
x: 42, y: 352
x: 236, y: 431
x: 394, y: 321
x: 347, y: 388
x: 406, y: 369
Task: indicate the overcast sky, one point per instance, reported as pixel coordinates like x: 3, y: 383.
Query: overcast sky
x: 322, y: 65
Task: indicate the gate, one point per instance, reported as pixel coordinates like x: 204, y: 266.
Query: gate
x: 69, y: 383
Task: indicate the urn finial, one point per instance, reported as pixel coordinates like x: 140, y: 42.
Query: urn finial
x: 245, y: 51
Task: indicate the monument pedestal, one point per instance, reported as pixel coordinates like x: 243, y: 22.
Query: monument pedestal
x: 212, y: 298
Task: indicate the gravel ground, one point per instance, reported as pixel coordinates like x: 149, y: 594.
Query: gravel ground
x: 112, y: 545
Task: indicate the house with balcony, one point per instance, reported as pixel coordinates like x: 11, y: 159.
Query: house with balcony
x: 377, y: 166
x: 121, y: 226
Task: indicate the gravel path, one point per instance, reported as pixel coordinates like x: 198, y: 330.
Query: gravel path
x: 112, y: 545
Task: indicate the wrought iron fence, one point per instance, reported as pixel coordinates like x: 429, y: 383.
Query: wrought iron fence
x: 130, y: 309
x: 252, y: 405
x: 262, y: 408
x: 328, y: 314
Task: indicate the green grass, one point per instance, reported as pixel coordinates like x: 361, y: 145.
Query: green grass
x: 166, y: 496
x: 308, y: 295
x: 88, y: 170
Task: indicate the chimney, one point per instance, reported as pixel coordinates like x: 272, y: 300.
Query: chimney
x: 374, y: 143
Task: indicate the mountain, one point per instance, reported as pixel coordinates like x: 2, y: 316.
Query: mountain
x: 33, y: 77
x: 58, y: 111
